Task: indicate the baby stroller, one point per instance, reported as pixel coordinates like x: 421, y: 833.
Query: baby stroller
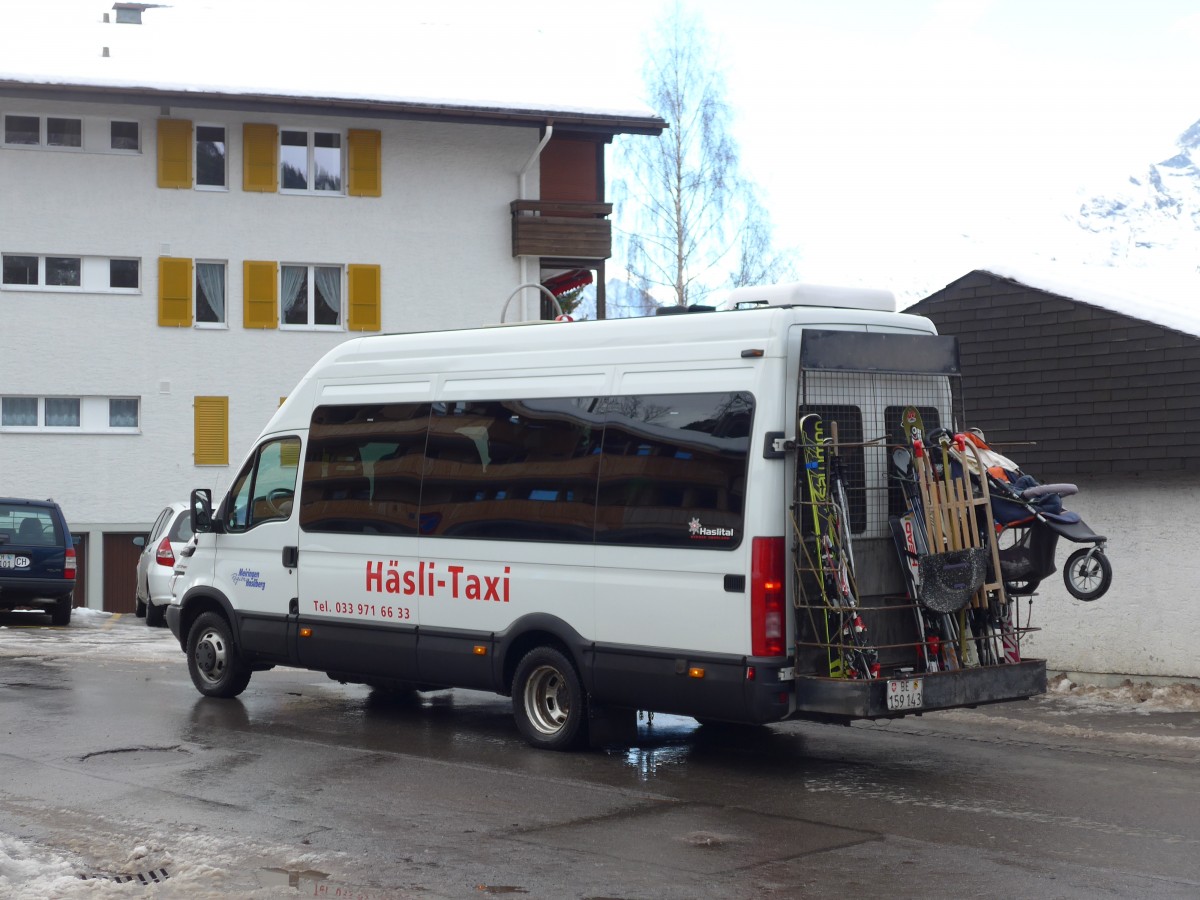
x: 1029, y: 519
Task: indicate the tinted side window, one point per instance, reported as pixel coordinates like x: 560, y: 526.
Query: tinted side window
x: 673, y: 471
x: 362, y: 470
x: 514, y: 470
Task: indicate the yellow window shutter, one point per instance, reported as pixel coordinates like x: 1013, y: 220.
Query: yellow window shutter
x: 174, y: 292
x: 211, y: 431
x: 260, y: 294
x: 365, y: 298
x: 366, y: 163
x: 174, y: 153
x: 260, y: 158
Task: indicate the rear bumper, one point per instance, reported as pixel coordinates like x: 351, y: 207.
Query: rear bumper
x: 173, y: 620
x: 839, y: 698
x: 38, y: 591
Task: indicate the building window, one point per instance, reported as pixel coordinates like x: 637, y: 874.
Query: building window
x: 125, y: 136
x: 210, y: 293
x: 310, y: 296
x: 64, y: 271
x: 56, y: 273
x: 64, y: 132
x: 22, y: 130
x: 62, y: 412
x: 210, y: 156
x: 20, y: 270
x: 19, y: 412
x: 310, y: 161
x: 123, y: 273
x: 123, y: 413
x: 53, y: 131
x: 89, y: 415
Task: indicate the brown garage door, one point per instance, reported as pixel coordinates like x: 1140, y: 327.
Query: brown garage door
x: 120, y: 570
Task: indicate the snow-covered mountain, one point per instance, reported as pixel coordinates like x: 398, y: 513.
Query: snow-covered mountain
x: 1154, y: 219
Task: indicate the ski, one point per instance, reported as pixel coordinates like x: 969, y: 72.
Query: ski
x: 834, y: 576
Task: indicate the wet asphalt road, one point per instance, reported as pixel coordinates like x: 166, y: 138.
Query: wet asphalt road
x: 304, y: 787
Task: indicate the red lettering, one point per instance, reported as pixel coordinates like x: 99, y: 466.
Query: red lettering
x: 376, y: 577
x: 454, y: 571
x: 492, y: 584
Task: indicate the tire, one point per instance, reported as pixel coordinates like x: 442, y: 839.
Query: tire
x: 1087, y: 578
x: 156, y: 616
x: 548, y: 701
x: 216, y: 666
x: 61, y: 614
x: 139, y: 609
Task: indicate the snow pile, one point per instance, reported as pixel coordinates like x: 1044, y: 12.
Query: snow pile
x: 1143, y: 698
x: 25, y: 872
x: 92, y: 632
x: 202, y: 867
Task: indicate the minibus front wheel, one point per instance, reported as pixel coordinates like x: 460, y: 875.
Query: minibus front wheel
x: 214, y: 663
x: 548, y: 700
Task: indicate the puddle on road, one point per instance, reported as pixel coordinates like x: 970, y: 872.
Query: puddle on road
x: 311, y: 883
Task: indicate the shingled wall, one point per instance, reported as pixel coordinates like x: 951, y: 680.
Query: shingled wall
x: 1095, y: 391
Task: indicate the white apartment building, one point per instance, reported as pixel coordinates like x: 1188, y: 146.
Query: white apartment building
x: 179, y: 246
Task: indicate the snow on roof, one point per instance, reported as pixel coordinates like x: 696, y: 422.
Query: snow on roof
x: 332, y: 51
x: 1165, y: 297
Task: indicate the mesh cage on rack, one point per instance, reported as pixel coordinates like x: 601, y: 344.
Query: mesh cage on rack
x: 852, y: 599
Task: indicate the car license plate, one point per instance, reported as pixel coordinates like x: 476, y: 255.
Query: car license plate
x: 905, y: 693
x: 12, y: 561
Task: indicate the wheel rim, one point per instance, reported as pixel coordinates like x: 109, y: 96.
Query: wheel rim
x: 1086, y: 574
x: 547, y: 700
x: 212, y: 656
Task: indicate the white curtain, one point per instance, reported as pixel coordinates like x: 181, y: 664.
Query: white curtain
x: 295, y: 283
x: 329, y: 290
x: 210, y: 278
x: 62, y: 411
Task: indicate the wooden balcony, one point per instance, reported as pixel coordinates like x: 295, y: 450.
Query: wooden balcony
x: 561, y: 229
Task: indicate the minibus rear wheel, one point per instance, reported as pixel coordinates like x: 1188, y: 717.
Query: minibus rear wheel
x: 548, y: 700
x: 214, y: 663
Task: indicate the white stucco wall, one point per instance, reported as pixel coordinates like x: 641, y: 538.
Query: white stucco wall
x: 441, y: 232
x: 1148, y: 622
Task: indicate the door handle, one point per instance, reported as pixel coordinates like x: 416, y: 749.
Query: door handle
x: 291, y: 557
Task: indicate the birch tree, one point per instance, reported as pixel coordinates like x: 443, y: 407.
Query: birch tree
x: 688, y: 222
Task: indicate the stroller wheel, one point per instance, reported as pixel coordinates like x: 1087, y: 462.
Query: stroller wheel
x: 1088, y: 573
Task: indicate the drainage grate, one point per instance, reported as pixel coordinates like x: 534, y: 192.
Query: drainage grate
x: 154, y: 876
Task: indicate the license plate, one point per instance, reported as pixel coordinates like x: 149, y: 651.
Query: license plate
x: 905, y: 693
x: 12, y: 561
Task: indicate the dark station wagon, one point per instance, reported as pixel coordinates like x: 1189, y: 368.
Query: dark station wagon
x: 37, y: 558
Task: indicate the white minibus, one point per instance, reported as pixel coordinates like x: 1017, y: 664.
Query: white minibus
x: 594, y: 518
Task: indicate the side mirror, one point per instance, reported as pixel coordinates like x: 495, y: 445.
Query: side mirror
x: 201, y: 511
x: 139, y: 541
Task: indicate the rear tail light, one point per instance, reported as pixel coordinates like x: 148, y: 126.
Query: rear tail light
x: 69, y: 563
x: 164, y: 555
x: 768, y: 598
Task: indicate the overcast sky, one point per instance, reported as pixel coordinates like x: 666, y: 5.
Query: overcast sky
x: 897, y: 140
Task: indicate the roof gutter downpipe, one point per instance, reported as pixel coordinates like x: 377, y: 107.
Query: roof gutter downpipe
x: 537, y: 153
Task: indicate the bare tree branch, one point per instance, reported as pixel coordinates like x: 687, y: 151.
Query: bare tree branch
x: 688, y: 222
